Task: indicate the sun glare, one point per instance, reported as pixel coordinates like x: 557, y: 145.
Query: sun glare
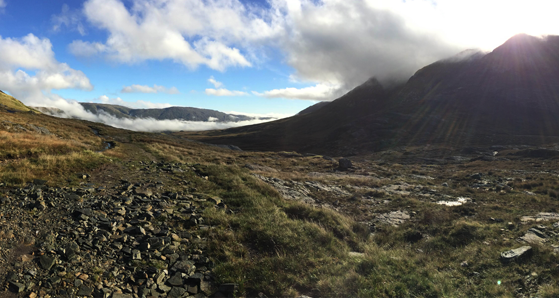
x: 481, y: 24
x: 489, y: 23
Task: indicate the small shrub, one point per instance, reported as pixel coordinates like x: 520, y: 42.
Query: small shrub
x: 462, y: 234
x: 412, y: 236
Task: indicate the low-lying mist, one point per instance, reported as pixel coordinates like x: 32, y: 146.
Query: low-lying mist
x: 74, y: 110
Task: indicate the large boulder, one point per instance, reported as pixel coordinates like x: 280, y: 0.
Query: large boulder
x: 344, y: 164
x: 516, y: 253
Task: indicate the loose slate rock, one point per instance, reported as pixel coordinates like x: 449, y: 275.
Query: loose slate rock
x: 516, y: 253
x: 185, y: 266
x: 85, y: 291
x: 46, y: 262
x: 532, y: 238
x: 176, y: 292
x: 393, y: 218
x: 120, y: 295
x: 136, y: 255
x: 16, y: 287
x: 176, y: 280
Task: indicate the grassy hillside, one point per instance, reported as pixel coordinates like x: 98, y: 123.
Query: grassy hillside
x: 337, y: 246
x: 11, y: 103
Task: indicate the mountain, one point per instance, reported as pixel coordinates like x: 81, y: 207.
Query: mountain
x: 507, y: 96
x: 171, y: 113
x: 313, y: 108
x: 83, y: 202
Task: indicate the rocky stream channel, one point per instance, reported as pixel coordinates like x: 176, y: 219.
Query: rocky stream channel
x: 122, y: 241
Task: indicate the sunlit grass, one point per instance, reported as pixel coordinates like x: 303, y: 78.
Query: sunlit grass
x: 54, y: 168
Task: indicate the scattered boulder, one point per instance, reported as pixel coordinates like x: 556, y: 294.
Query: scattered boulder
x: 542, y: 216
x: 394, y: 218
x: 534, y: 236
x: 476, y: 176
x: 515, y: 254
x: 344, y: 164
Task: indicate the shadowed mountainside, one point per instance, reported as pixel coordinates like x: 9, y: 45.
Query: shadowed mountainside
x: 508, y: 96
x: 314, y: 107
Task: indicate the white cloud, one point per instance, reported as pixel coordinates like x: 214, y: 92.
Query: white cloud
x: 72, y: 109
x: 158, y: 30
x: 148, y: 89
x: 343, y: 43
x: 28, y: 52
x: 2, y: 4
x: 170, y: 125
x: 224, y: 92
x: 214, y: 82
x: 321, y: 92
x: 139, y: 104
x: 86, y: 49
x: 29, y: 70
x: 68, y: 18
x: 328, y: 43
x: 220, y: 56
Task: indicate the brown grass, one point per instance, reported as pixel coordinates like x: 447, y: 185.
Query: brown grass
x: 25, y: 145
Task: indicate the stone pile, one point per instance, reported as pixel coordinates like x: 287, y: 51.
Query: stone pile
x: 128, y: 241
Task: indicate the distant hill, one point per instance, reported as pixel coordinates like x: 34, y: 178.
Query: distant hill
x: 171, y: 113
x: 508, y: 96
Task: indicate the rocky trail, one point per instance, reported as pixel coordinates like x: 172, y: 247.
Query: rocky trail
x: 124, y: 238
x: 134, y: 229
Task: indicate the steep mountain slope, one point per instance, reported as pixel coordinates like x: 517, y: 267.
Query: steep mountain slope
x: 510, y: 95
x: 313, y: 107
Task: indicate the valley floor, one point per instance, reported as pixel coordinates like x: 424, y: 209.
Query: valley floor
x: 160, y: 216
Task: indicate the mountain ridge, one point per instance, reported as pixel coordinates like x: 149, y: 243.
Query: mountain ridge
x: 508, y: 95
x: 170, y: 113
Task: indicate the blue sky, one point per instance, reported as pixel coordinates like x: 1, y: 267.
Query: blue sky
x: 256, y: 57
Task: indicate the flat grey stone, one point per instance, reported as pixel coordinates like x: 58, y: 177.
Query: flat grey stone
x: 176, y: 292
x: 532, y: 238
x: 184, y: 266
x: 46, y: 262
x: 120, y: 295
x: 85, y: 291
x: 176, y: 280
x: 516, y: 253
x: 164, y: 288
